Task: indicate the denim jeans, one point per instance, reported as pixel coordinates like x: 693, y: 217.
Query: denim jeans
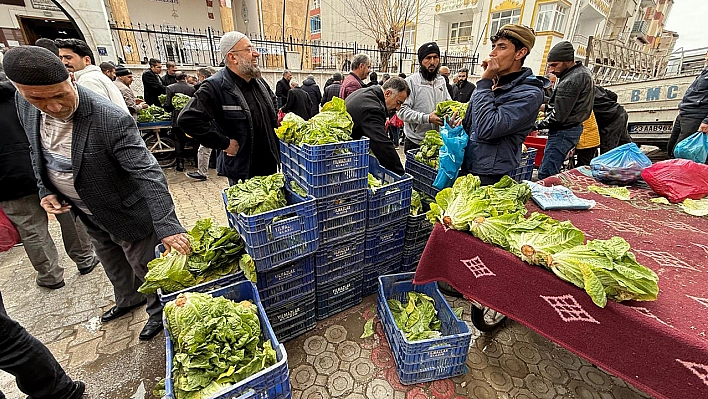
x: 557, y: 147
x: 393, y: 131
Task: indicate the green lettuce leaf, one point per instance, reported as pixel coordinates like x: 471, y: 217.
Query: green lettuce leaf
x: 493, y: 229
x: 620, y: 193
x: 257, y: 195
x: 537, y: 238
x: 695, y: 207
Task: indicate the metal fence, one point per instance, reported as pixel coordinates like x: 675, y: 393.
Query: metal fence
x: 200, y: 47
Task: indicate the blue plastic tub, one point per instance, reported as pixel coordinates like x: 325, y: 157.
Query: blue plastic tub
x: 341, y: 215
x: 370, y: 284
x: 294, y: 318
x: 525, y: 169
x: 390, y: 202
x: 287, y: 283
x: 271, y: 383
x: 430, y: 359
x: 339, y: 295
x: 385, y: 243
x: 274, y: 243
x: 422, y: 174
x: 338, y: 259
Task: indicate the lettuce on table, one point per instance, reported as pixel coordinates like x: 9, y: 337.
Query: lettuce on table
x: 535, y: 239
x: 620, y: 193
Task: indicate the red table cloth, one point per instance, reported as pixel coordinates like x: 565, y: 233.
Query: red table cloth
x: 661, y: 347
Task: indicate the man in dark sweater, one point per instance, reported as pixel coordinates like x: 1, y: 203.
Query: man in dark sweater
x: 299, y: 102
x: 152, y: 84
x: 282, y: 88
x: 332, y: 90
x: 462, y: 90
x: 170, y: 75
x: 369, y: 108
x: 180, y: 86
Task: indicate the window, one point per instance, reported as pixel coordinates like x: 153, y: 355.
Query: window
x: 408, y: 36
x: 315, y: 24
x: 314, y: 4
x: 460, y: 32
x: 502, y: 18
x: 550, y: 17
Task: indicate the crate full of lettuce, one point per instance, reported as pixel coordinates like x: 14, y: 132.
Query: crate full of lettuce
x: 221, y: 345
x: 278, y: 226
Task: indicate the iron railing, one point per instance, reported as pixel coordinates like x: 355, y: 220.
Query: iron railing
x: 200, y: 47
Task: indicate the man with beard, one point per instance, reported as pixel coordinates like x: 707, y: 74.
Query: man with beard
x: 234, y: 111
x: 428, y: 88
x: 462, y: 91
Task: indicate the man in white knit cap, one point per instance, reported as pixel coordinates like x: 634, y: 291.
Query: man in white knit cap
x: 234, y: 111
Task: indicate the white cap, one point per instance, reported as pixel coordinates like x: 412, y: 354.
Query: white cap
x: 228, y: 41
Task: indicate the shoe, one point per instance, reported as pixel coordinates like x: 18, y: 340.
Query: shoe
x: 180, y: 165
x: 116, y: 312
x: 77, y: 391
x: 197, y: 175
x: 151, y: 329
x: 53, y: 286
x: 87, y: 270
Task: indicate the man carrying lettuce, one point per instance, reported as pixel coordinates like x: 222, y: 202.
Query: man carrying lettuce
x: 503, y: 108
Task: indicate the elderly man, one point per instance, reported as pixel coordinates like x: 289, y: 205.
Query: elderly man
x: 78, y: 58
x: 124, y: 78
x: 445, y: 73
x: 332, y: 90
x: 310, y: 87
x: 89, y: 159
x: 361, y: 65
x: 152, y: 84
x: 369, y: 108
x: 428, y: 88
x: 234, y: 111
x: 282, y: 88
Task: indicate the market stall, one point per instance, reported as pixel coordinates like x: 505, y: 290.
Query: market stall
x: 661, y: 347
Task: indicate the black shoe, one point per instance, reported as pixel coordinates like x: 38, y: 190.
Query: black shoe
x: 180, y: 165
x: 151, y: 329
x: 77, y: 391
x: 197, y: 175
x: 116, y: 312
x: 53, y: 286
x: 87, y: 270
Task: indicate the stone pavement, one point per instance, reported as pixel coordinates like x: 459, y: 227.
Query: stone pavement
x: 328, y: 362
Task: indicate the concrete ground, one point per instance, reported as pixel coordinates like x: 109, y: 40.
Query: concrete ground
x: 328, y: 362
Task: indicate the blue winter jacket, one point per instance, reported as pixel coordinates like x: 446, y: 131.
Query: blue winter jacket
x: 498, y: 122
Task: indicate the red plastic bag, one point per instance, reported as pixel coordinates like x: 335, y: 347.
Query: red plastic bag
x: 281, y: 115
x: 678, y: 179
x: 9, y: 236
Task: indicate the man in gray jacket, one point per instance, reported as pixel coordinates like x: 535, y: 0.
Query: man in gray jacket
x: 89, y: 159
x: 570, y: 105
x: 428, y: 88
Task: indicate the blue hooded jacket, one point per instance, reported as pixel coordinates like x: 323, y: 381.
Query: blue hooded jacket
x: 498, y: 122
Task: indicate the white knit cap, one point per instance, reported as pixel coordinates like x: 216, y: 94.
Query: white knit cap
x: 228, y: 41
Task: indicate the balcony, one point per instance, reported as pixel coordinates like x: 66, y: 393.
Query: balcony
x: 648, y: 3
x: 602, y: 7
x: 623, y: 9
x: 448, y: 7
x: 639, y: 31
x: 580, y: 43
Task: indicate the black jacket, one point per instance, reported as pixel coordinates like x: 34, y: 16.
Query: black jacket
x: 463, y: 93
x: 152, y: 87
x: 695, y: 102
x: 219, y: 112
x: 281, y: 91
x: 311, y: 88
x: 447, y: 83
x: 298, y: 103
x: 572, y: 99
x: 171, y: 90
x: 367, y: 106
x: 331, y: 91
x: 16, y: 174
x: 168, y: 79
x: 606, y: 107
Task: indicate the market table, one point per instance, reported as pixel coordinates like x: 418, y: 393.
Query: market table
x: 161, y: 146
x: 661, y: 347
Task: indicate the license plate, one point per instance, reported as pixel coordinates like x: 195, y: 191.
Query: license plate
x: 651, y: 128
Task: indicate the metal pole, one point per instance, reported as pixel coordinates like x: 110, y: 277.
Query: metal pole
x: 282, y: 37
x: 210, y: 38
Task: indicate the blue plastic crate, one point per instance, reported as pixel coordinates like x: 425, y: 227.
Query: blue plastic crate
x: 339, y: 295
x: 418, y: 229
x: 274, y: 243
x: 203, y: 287
x: 294, y: 318
x: 271, y: 383
x: 525, y: 169
x: 329, y: 169
x: 341, y: 215
x: 339, y: 259
x: 410, y: 260
x: 423, y: 175
x: 287, y: 282
x: 392, y: 201
x: 370, y: 284
x: 385, y: 242
x: 430, y: 359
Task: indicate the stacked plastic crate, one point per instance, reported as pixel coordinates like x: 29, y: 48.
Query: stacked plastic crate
x: 418, y: 229
x: 388, y: 208
x: 336, y: 174
x: 282, y: 244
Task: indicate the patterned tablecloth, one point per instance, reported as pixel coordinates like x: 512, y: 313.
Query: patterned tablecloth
x: 661, y: 347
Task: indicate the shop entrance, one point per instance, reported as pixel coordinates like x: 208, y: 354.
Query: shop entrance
x: 35, y: 28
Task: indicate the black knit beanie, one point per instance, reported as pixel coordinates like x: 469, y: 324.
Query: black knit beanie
x: 427, y: 49
x: 34, y: 66
x: 562, y: 51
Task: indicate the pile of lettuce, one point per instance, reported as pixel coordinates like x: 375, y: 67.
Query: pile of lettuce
x: 418, y: 318
x: 449, y: 107
x: 217, y: 251
x: 216, y: 342
x: 332, y: 124
x: 429, y: 152
x: 605, y: 269
x: 374, y: 183
x: 153, y: 113
x: 179, y: 101
x: 257, y: 195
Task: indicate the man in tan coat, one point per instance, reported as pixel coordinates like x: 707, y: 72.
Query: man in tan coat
x: 124, y: 78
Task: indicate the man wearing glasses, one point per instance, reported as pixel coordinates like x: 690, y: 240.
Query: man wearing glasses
x: 234, y: 111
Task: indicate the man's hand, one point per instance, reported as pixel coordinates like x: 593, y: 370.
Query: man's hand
x: 703, y: 128
x: 435, y: 120
x: 454, y: 121
x: 232, y: 149
x: 51, y: 204
x: 180, y: 242
x: 491, y: 68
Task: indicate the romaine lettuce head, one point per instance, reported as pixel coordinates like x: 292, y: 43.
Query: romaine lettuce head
x: 168, y: 272
x: 291, y: 128
x: 492, y: 229
x: 534, y: 239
